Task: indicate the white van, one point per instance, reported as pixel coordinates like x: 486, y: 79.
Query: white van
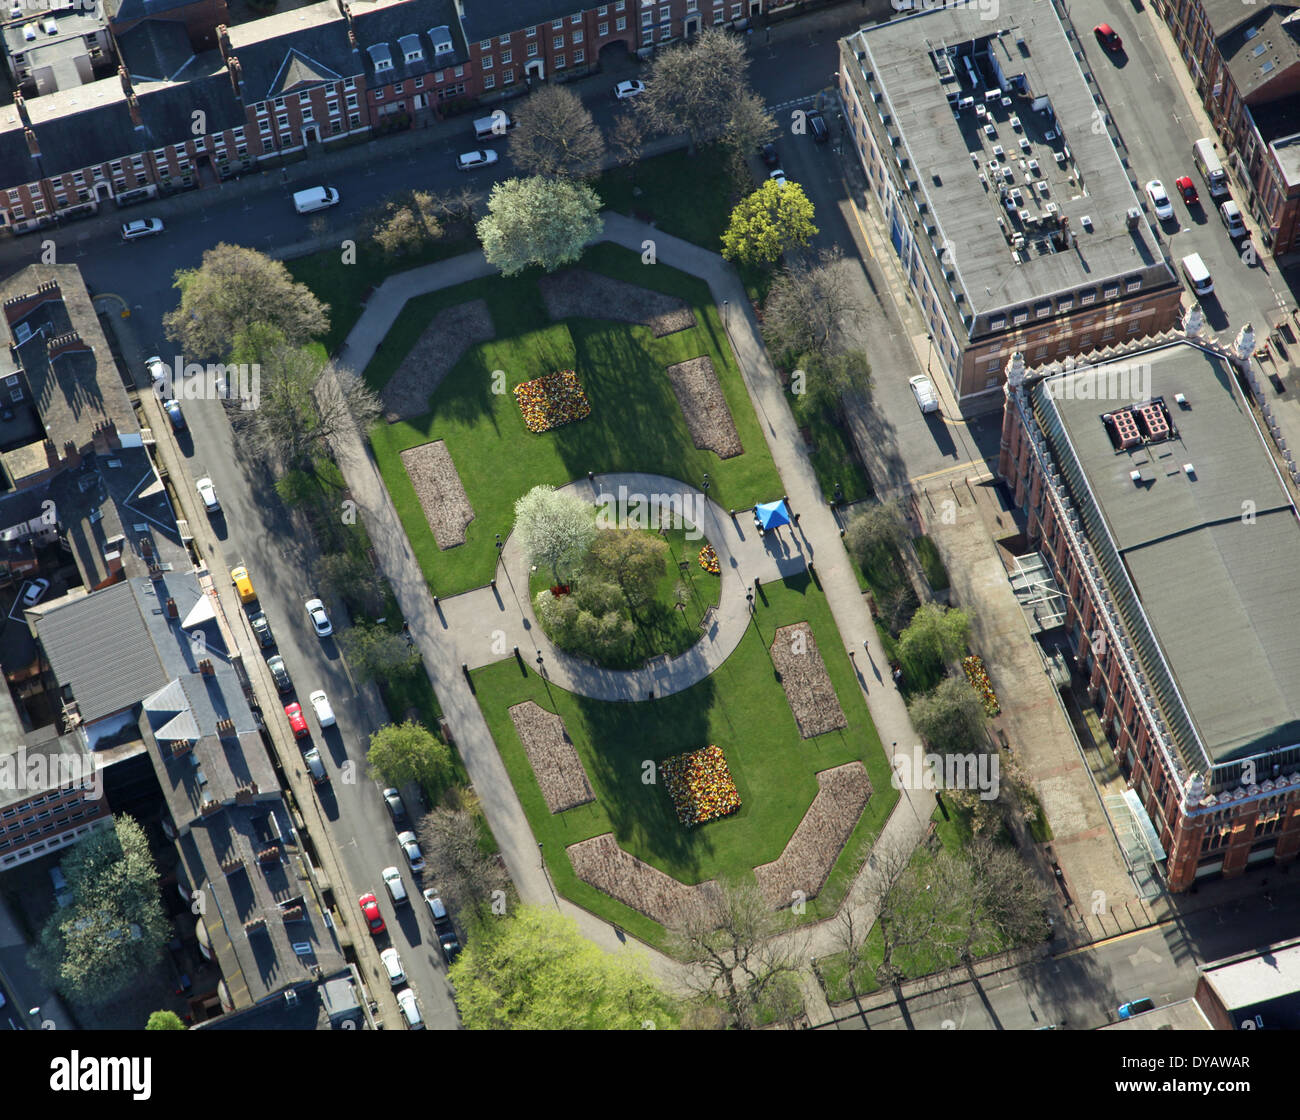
x: 495, y: 126
x: 315, y: 198
x: 1198, y: 276
x: 410, y: 1010
x: 1230, y: 212
x: 927, y: 400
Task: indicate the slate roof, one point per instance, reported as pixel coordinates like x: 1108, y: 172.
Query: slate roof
x: 100, y: 648
x: 486, y: 18
x: 122, y: 11
x: 279, y: 48
x: 157, y: 49
x: 413, y: 20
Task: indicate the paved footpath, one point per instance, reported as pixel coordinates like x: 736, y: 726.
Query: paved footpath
x: 818, y: 543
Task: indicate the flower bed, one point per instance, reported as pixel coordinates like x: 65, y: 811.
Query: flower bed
x: 979, y: 681
x: 550, y: 401
x: 700, y: 785
x: 709, y: 560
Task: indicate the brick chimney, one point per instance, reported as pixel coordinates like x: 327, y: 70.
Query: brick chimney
x: 172, y: 612
x: 346, y: 12
x: 133, y: 107
x: 20, y: 103
x: 125, y: 79
x: 32, y: 145
x: 236, y: 77
x: 105, y: 437
x: 223, y: 42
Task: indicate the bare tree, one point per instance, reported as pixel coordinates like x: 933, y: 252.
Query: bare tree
x: 1009, y: 895
x: 810, y: 304
x: 625, y: 140
x: 750, y: 125
x: 467, y: 878
x: 406, y: 222
x: 303, y: 403
x: 556, y: 136
x: 693, y: 86
x: 741, y: 962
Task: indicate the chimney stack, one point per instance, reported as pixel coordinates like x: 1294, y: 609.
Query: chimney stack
x: 133, y: 106
x: 20, y: 103
x: 236, y: 77
x: 172, y: 612
x: 125, y: 79
x: 33, y: 146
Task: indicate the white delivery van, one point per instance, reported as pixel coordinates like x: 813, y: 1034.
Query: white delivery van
x: 1230, y: 212
x: 315, y: 198
x: 927, y: 400
x: 1198, y: 276
x: 495, y: 126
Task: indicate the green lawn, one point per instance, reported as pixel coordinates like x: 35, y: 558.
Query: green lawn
x: 635, y: 425
x: 832, y: 457
x: 344, y: 286
x: 921, y: 961
x: 660, y: 627
x: 936, y: 575
x: 741, y: 708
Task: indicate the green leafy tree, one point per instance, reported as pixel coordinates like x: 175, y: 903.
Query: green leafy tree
x: 776, y: 217
x: 401, y: 753
x: 555, y: 528
x: 556, y: 136
x: 950, y: 717
x: 633, y: 561
x: 535, y: 971
x: 405, y: 223
x: 351, y: 577
x: 375, y: 653
x: 113, y: 930
x: 165, y: 1021
x: 233, y: 288
x: 936, y: 636
x: 538, y: 221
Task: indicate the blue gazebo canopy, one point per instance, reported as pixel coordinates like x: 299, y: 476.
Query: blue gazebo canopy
x: 772, y: 515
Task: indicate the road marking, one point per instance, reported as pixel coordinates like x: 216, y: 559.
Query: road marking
x: 949, y: 470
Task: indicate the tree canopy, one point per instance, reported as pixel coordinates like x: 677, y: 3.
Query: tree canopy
x: 534, y: 970
x: 776, y: 217
x: 538, y: 221
x: 950, y: 717
x: 936, y: 636
x: 555, y: 528
x: 556, y: 135
x: 401, y: 753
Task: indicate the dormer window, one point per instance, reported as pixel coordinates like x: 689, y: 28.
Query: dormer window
x: 382, y: 57
x: 411, y: 49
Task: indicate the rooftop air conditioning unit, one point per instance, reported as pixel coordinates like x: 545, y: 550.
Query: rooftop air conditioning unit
x: 29, y: 33
x: 876, y: 95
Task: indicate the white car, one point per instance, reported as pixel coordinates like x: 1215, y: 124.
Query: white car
x: 208, y: 493
x: 469, y: 161
x: 393, y: 966
x: 319, y: 619
x: 624, y: 90
x: 321, y: 705
x: 778, y: 176
x: 141, y: 227
x: 410, y: 1010
x: 927, y: 400
x: 159, y: 370
x: 396, y: 888
x: 1160, y: 200
x: 35, y: 590
x: 412, y: 849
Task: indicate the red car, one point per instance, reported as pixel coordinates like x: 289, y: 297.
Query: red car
x: 1187, y: 190
x: 370, y: 911
x: 1107, y: 38
x: 297, y: 721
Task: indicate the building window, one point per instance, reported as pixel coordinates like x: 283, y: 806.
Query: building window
x: 379, y: 95
x: 459, y: 71
x: 485, y: 45
x: 419, y: 82
x: 354, y: 121
x: 1042, y: 310
x: 264, y: 126
x: 1111, y: 292
x: 489, y: 81
x: 352, y: 100
x: 506, y: 57
x: 559, y: 62
x: 508, y: 78
x: 618, y: 7
x: 1065, y: 303
x: 665, y: 14
x: 304, y: 99
x: 1020, y: 316
x: 1088, y: 297
x: 579, y: 57
x: 333, y: 107
x: 282, y: 120
x: 350, y: 83
x: 576, y: 18
x: 437, y: 77
x: 576, y: 36
x: 530, y: 32
x: 1133, y: 283
x: 279, y: 102
x: 557, y: 44
x: 620, y: 24
x: 532, y: 50
x: 998, y: 323
x: 735, y: 11
x: 487, y: 62
x: 647, y: 18
x: 602, y: 30
x: 557, y: 24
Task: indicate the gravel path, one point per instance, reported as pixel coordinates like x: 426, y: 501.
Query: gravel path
x: 607, y: 867
x: 449, y: 334
x: 817, y: 842
x: 708, y: 419
x: 438, y: 486
x: 553, y: 756
x: 807, y: 685
x: 577, y: 293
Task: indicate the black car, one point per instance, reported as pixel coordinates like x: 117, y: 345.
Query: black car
x: 279, y: 673
x: 262, y: 628
x: 396, y: 809
x: 450, y: 946
x: 817, y: 127
x: 770, y: 158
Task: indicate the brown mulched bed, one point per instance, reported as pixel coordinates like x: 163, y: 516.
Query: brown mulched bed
x: 807, y: 685
x: 553, y: 756
x: 449, y: 334
x: 820, y: 837
x: 438, y: 486
x: 708, y: 419
x: 577, y: 293
x: 619, y: 874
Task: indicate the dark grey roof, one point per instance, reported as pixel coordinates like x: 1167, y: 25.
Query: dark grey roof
x: 419, y: 21
x: 1263, y: 52
x: 1220, y: 591
x: 100, y: 648
x: 496, y: 17
x: 1227, y: 16
x: 321, y: 1006
x: 307, y: 56
x: 157, y: 49
x: 68, y: 762
x: 122, y: 11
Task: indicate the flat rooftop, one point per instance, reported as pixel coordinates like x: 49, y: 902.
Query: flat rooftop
x: 1211, y: 553
x: 1185, y: 1015
x: 1266, y: 983
x: 969, y: 148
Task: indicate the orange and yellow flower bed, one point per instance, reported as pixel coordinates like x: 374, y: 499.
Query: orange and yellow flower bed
x: 550, y: 401
x: 700, y: 785
x: 979, y: 681
x: 709, y: 560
